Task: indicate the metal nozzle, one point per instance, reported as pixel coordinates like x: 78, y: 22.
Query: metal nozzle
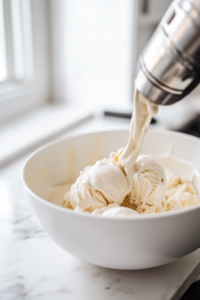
x: 169, y: 67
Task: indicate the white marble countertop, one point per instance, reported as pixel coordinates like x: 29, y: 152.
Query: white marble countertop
x: 33, y: 267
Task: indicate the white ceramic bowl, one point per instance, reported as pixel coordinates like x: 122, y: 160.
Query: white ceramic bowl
x: 135, y: 243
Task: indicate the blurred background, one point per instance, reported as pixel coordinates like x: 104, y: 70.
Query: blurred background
x: 65, y: 61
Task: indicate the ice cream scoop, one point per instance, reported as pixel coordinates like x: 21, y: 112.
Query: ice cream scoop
x: 149, y: 185
x: 99, y: 185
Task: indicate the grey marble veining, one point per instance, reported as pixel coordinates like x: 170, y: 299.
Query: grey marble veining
x: 33, y: 267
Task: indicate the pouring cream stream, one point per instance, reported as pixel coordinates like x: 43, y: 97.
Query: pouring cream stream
x: 143, y: 112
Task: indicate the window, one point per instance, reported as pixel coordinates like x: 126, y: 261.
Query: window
x: 23, y: 56
x: 16, y: 57
x: 3, y: 66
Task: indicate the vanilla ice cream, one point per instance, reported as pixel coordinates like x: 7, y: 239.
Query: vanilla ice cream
x: 149, y: 185
x: 180, y: 194
x: 97, y: 186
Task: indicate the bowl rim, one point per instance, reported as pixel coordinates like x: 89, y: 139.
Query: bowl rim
x: 138, y: 217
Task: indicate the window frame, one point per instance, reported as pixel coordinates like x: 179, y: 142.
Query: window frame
x: 18, y: 97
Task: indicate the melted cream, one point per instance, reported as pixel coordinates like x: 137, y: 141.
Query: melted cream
x: 143, y: 112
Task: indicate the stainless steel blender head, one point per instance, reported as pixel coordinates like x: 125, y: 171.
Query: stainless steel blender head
x: 169, y: 66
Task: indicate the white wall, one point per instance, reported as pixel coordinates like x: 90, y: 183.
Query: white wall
x: 93, y: 50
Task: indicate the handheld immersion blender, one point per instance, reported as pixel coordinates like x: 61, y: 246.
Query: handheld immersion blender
x: 169, y: 67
